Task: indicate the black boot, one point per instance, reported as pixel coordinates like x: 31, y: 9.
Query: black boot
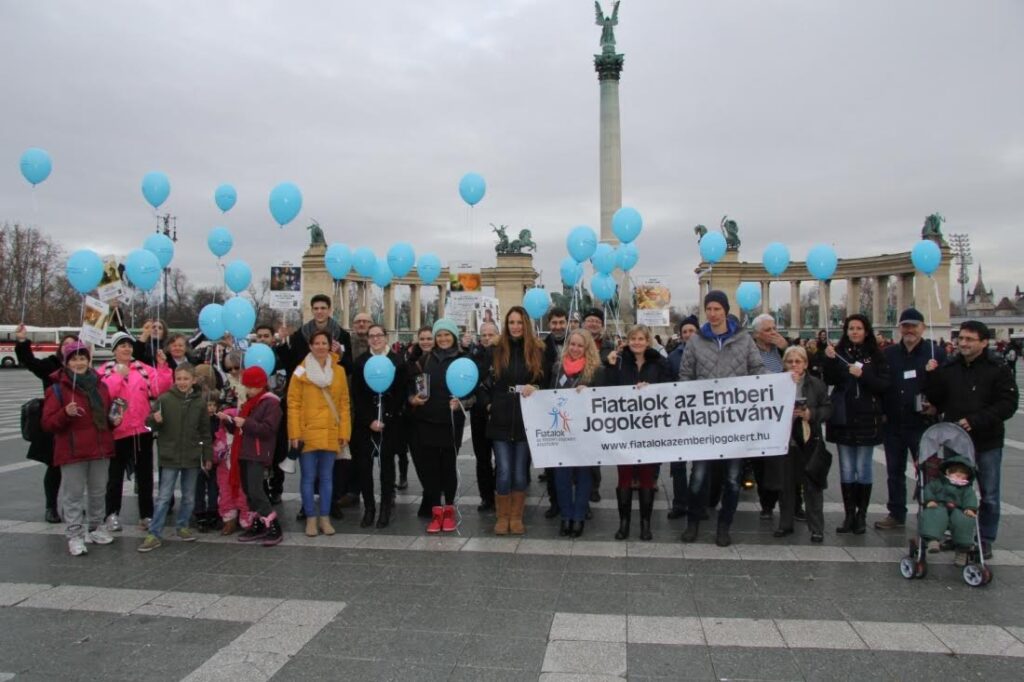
x: 565, y: 529
x: 860, y: 523
x: 692, y: 530
x: 274, y: 534
x: 255, y: 532
x: 552, y: 511
x: 646, y: 508
x: 51, y: 515
x: 849, y: 491
x: 577, y: 530
x: 722, y: 537
x: 386, y: 506
x: 625, y: 497
x: 369, y: 512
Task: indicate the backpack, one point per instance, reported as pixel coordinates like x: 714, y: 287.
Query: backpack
x: 32, y: 416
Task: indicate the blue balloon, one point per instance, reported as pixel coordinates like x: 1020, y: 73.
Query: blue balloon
x: 379, y: 372
x: 161, y: 246
x: 364, y: 261
x: 84, y: 270
x: 36, y: 165
x: 382, y: 273
x: 581, y: 243
x: 156, y: 188
x: 260, y: 355
x: 775, y: 258
x: 626, y: 224
x: 626, y: 257
x: 926, y: 256
x: 285, y: 203
x: 239, y: 317
x: 428, y: 268
x: 237, y: 275
x: 748, y: 295
x: 712, y: 247
x: 338, y: 261
x: 603, y: 286
x: 537, y: 301
x: 143, y: 269
x: 225, y: 197
x: 822, y: 261
x: 211, y: 321
x: 220, y: 241
x: 472, y: 188
x: 401, y: 258
x: 604, y: 258
x: 461, y: 377
x: 571, y: 271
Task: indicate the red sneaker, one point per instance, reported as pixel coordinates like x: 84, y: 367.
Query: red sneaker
x: 435, y: 523
x: 448, y: 522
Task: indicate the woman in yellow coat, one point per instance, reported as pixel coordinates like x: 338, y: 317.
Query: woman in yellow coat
x: 320, y: 423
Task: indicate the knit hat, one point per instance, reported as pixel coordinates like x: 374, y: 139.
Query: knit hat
x: 911, y: 315
x: 446, y: 325
x: 254, y: 377
x: 594, y: 312
x: 119, y: 338
x: 717, y: 296
x: 692, y: 319
x: 75, y: 348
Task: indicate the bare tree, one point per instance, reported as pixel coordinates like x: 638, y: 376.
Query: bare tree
x: 32, y: 279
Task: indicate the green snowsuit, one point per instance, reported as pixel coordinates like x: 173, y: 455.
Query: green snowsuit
x: 953, y: 501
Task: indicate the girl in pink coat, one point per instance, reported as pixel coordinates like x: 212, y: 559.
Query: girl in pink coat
x: 231, y: 503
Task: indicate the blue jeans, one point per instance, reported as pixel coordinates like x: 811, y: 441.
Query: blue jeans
x: 317, y: 464
x: 897, y: 443
x: 168, y: 477
x: 989, y: 463
x: 573, y: 499
x: 511, y: 465
x: 699, y: 492
x: 855, y: 463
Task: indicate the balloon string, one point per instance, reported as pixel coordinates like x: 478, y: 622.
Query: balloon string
x: 28, y: 275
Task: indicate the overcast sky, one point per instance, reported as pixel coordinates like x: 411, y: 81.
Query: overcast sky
x: 807, y: 121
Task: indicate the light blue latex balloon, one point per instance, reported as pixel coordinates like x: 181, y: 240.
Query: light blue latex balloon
x: 428, y: 268
x: 225, y: 197
x: 626, y: 224
x: 36, y: 165
x: 626, y: 257
x: 239, y: 317
x: 161, y: 246
x: 603, y: 286
x: 220, y: 241
x: 84, y: 270
x: 712, y: 247
x: 401, y: 258
x: 285, y: 202
x: 260, y: 355
x: 156, y: 187
x: 364, y: 261
x: 604, y: 258
x: 382, y: 274
x: 237, y: 275
x: 822, y: 261
x: 211, y: 321
x: 461, y: 377
x: 472, y: 188
x: 748, y: 295
x: 581, y: 243
x: 379, y: 372
x: 338, y: 261
x: 537, y: 301
x: 571, y: 271
x: 143, y: 269
x: 775, y: 258
x: 926, y: 256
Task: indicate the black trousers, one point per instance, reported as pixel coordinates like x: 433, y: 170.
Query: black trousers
x: 135, y: 452
x: 484, y: 454
x: 767, y: 498
x: 365, y: 445
x: 207, y: 492
x: 274, y: 483
x: 438, y: 475
x: 51, y: 485
x: 252, y: 475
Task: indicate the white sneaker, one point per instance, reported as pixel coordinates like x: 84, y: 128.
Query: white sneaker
x: 99, y: 537
x: 76, y: 546
x: 113, y: 524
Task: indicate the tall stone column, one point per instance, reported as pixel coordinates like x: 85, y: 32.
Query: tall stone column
x: 608, y: 65
x: 824, y: 303
x: 878, y: 301
x: 342, y: 303
x: 414, y: 307
x: 442, y: 289
x: 853, y: 296
x: 766, y: 298
x: 389, y: 307
x: 796, y: 322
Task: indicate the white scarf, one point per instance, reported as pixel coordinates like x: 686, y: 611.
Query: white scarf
x: 319, y: 376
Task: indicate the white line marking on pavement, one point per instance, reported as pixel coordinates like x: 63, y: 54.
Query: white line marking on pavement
x: 17, y: 466
x: 1015, y: 444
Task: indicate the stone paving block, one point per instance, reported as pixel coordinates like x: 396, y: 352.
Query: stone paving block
x: 241, y: 609
x: 823, y: 553
x: 439, y: 544
x: 600, y: 658
x: 658, y: 550
x: 36, y: 528
x: 502, y: 651
x: 664, y: 630
x: 381, y: 541
x: 702, y: 550
x: 549, y: 547
x: 737, y: 663
x: 742, y: 632
x: 899, y: 637
x: 116, y: 600
x: 62, y: 597
x: 349, y: 540
x: 661, y: 662
x: 982, y: 640
x: 238, y: 666
x: 819, y: 634
x: 765, y: 552
x: 501, y: 545
x: 12, y: 593
x: 304, y: 612
x: 571, y: 677
x: 877, y: 554
x: 586, y: 627
x: 278, y: 638
x: 6, y: 676
x: 592, y: 548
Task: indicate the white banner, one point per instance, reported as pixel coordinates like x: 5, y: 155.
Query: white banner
x: 684, y: 421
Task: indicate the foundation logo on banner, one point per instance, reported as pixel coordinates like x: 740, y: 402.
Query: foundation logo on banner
x: 560, y: 429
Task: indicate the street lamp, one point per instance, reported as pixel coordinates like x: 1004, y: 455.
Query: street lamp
x: 169, y: 230
x: 960, y: 244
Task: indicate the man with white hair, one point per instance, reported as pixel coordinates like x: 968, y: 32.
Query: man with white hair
x: 768, y: 470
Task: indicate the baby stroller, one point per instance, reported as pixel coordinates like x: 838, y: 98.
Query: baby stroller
x: 943, y: 441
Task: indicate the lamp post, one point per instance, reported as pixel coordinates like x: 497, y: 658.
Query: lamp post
x: 169, y: 230
x: 961, y: 247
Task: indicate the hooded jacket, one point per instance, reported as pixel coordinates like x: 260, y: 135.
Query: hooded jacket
x: 718, y: 356
x: 185, y: 438
x: 856, y: 402
x: 142, y: 384
x: 506, y: 414
x: 75, y: 439
x: 310, y: 419
x: 940, y: 490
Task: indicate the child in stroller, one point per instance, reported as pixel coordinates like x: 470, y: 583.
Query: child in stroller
x: 950, y: 503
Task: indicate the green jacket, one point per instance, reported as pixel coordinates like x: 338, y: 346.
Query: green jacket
x: 942, y: 491
x: 184, y: 440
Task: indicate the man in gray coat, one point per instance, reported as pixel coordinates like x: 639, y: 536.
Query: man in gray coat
x: 719, y: 350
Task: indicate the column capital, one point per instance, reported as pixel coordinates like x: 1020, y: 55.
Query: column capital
x: 608, y: 66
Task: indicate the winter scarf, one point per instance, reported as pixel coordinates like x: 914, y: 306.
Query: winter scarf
x: 235, y: 476
x: 90, y: 385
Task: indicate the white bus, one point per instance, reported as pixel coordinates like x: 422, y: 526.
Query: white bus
x: 45, y: 341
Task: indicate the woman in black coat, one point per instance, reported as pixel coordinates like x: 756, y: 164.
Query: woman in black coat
x: 638, y: 364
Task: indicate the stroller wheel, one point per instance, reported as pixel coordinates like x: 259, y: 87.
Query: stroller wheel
x: 907, y: 568
x: 974, y: 575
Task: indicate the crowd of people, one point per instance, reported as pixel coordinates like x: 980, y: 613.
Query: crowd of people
x: 227, y: 436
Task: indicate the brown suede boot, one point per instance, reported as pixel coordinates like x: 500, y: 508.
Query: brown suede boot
x: 325, y: 526
x: 501, y: 505
x: 515, y: 519
x: 230, y: 526
x: 311, y: 530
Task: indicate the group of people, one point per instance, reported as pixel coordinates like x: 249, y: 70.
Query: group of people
x: 227, y: 435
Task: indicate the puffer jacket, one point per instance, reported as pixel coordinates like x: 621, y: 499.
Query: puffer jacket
x: 945, y: 493
x: 75, y: 439
x: 184, y: 428
x: 142, y: 384
x: 856, y: 403
x: 505, y: 421
x: 310, y: 419
x: 711, y: 356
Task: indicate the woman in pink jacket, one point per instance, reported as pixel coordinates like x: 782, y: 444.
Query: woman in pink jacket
x: 132, y: 384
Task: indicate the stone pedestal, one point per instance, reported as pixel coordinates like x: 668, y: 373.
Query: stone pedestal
x: 315, y: 279
x: 725, y: 276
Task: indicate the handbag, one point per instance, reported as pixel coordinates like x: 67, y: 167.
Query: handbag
x: 819, y: 463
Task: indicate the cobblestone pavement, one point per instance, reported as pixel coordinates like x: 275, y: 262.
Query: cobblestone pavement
x: 396, y: 604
